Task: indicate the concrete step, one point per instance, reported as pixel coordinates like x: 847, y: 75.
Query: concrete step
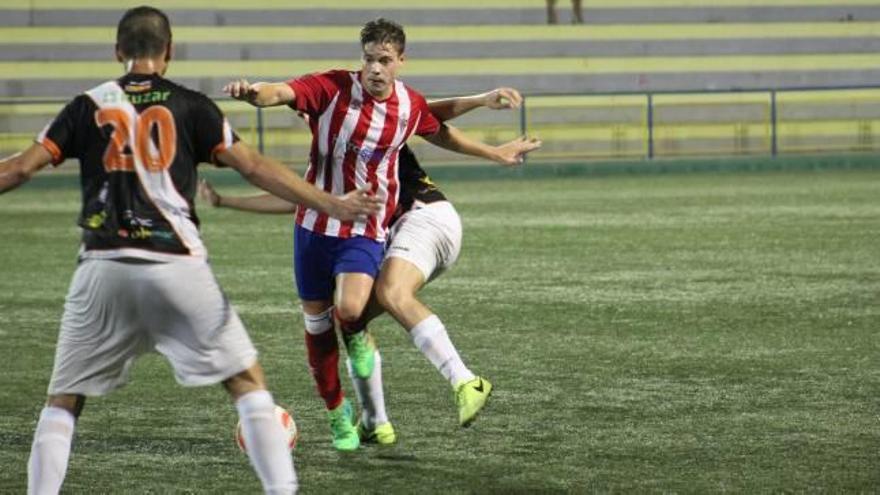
x: 535, y: 67
x: 443, y: 49
x: 527, y: 83
x: 465, y: 33
x: 313, y: 43
x: 848, y: 10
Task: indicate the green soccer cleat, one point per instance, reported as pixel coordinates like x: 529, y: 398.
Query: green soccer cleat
x: 345, y: 435
x: 361, y: 351
x: 471, y: 397
x: 381, y: 434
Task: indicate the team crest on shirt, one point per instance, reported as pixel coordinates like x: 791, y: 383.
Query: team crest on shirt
x: 366, y: 153
x: 403, y: 123
x: 355, y: 104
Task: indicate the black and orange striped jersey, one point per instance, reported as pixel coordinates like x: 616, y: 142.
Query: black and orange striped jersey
x: 138, y: 140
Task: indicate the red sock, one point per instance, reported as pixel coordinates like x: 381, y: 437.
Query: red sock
x: 323, y: 352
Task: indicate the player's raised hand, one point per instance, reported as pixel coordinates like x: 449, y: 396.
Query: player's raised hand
x: 503, y: 98
x: 260, y: 94
x: 207, y: 193
x: 241, y: 89
x: 513, y: 152
x: 355, y: 205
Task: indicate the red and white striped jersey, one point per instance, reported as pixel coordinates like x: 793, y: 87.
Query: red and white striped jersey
x: 355, y: 142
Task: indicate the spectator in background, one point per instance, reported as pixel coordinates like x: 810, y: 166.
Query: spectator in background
x: 576, y: 16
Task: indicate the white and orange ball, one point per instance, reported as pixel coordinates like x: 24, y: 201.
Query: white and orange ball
x: 287, y: 423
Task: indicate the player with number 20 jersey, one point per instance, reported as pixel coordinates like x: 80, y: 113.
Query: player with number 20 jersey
x: 143, y: 282
x: 121, y: 212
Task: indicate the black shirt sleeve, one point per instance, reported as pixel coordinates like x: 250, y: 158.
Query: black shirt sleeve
x: 213, y: 133
x: 65, y: 137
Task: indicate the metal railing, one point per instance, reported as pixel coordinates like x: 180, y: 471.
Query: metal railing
x: 792, y: 120
x: 644, y: 125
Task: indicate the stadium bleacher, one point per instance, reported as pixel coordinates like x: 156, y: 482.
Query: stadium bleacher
x: 457, y: 46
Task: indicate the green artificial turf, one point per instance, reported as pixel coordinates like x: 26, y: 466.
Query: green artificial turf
x: 695, y: 333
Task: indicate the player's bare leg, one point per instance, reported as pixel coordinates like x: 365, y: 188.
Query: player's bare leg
x: 353, y: 291
x: 322, y: 348
x: 353, y: 294
x: 263, y: 434
x: 50, y: 450
x: 396, y: 289
x: 249, y: 380
x: 399, y: 282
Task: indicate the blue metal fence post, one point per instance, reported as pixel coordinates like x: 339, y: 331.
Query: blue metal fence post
x: 260, y: 130
x: 774, y: 139
x: 650, y: 123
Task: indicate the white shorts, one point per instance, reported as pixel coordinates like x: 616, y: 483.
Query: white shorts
x: 115, y: 311
x: 428, y: 236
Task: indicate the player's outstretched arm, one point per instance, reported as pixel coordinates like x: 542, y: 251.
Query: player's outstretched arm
x: 497, y: 99
x: 275, y: 178
x: 20, y: 167
x: 260, y: 203
x: 260, y: 94
x: 510, y: 153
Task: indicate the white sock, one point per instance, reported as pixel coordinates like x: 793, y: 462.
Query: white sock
x: 50, y: 451
x: 430, y: 337
x: 319, y: 323
x: 266, y: 442
x: 370, y: 394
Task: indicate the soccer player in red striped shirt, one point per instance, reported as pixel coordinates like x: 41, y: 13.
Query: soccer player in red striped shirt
x: 359, y: 122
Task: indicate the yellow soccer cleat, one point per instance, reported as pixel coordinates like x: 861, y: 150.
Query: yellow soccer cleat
x: 381, y: 434
x: 471, y: 397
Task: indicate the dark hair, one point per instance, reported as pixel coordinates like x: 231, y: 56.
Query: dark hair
x: 383, y: 31
x: 143, y: 32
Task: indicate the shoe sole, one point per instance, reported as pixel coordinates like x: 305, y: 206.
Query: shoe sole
x: 474, y: 417
x: 348, y: 449
x: 375, y: 441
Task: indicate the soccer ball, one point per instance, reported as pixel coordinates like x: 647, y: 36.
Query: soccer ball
x: 287, y: 423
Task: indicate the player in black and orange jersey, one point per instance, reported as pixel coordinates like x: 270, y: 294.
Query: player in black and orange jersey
x: 143, y: 282
x: 425, y: 240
